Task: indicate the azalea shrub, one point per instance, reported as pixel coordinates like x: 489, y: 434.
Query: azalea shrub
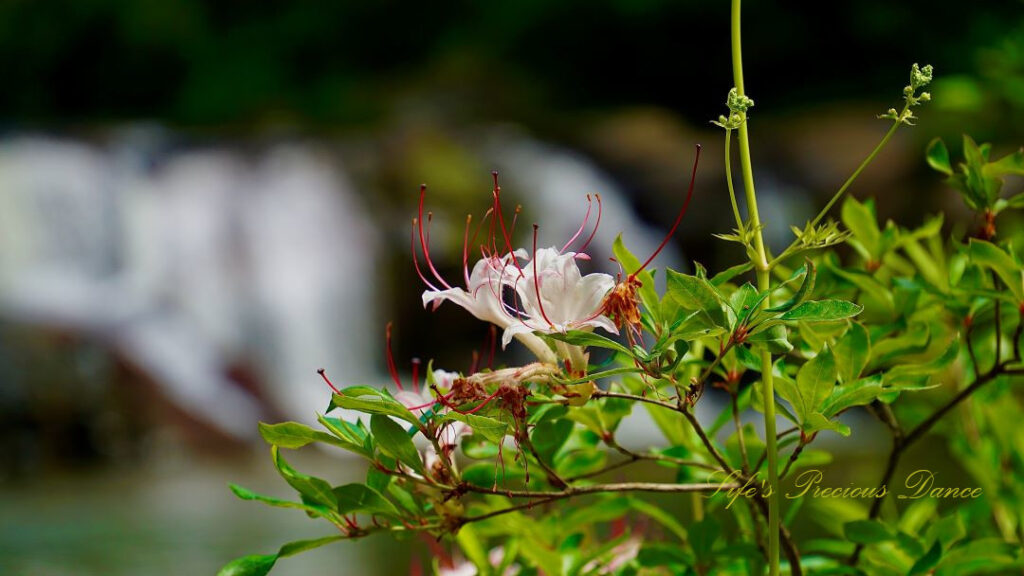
x: 518, y: 469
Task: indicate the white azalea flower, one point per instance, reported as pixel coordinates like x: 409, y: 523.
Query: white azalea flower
x: 419, y: 400
x: 556, y: 297
x: 483, y: 296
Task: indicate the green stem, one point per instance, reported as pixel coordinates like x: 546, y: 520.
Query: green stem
x: 728, y: 180
x: 842, y: 189
x: 764, y: 285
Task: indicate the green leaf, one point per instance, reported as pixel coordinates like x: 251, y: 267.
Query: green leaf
x: 775, y: 339
x: 489, y: 428
x: 856, y: 393
x: 256, y: 565
x: 394, y: 441
x: 473, y: 547
x: 822, y: 311
x: 990, y: 256
x: 869, y: 285
x: 910, y: 373
x: 373, y: 401
x: 861, y: 221
x: 938, y: 157
x: 693, y: 293
x: 1009, y: 164
x: 550, y: 435
x: 361, y: 498
x: 868, y: 532
x: 806, y: 287
x: 816, y: 380
x: 260, y: 565
x: 347, y: 436
x: 852, y: 352
x: 585, y: 339
x: 294, y: 435
x: 925, y: 563
x: 245, y: 494
x: 312, y: 489
x: 730, y: 273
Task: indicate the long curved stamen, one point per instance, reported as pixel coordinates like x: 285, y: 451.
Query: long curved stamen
x: 596, y: 224
x: 583, y: 225
x: 536, y: 280
x: 415, y: 261
x: 392, y: 369
x: 416, y: 375
x: 483, y: 403
x: 323, y: 374
x: 479, y: 227
x: 515, y: 218
x: 501, y: 218
x: 423, y: 241
x: 679, y: 218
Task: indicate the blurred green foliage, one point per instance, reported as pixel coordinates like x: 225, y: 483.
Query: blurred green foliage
x: 312, y: 62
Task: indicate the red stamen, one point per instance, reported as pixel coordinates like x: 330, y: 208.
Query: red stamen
x: 473, y: 364
x: 536, y: 279
x: 583, y: 225
x: 391, y: 358
x: 423, y: 240
x: 415, y: 261
x: 323, y: 374
x: 483, y: 403
x: 416, y: 375
x: 679, y: 218
x: 501, y: 217
x: 515, y: 218
x: 596, y: 224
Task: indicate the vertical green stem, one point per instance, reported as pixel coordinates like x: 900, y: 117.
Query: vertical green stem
x: 763, y: 284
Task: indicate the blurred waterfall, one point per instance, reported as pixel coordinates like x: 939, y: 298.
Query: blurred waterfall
x: 187, y: 268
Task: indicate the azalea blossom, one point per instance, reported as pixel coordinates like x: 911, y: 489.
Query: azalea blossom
x: 522, y: 295
x: 419, y: 400
x: 556, y: 297
x: 483, y: 294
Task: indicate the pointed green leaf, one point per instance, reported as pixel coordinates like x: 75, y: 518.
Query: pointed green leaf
x: 806, y: 287
x: 990, y: 256
x: 822, y: 311
x: 938, y: 157
x: 394, y: 441
x: 692, y: 293
x: 857, y: 393
x: 860, y: 220
x: 489, y: 428
x: 255, y: 565
x: 816, y: 380
x: 312, y: 489
x: 260, y: 565
x: 586, y: 339
x: 361, y: 498
x: 294, y: 435
x: 852, y: 352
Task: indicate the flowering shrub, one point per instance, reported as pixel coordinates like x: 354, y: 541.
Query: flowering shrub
x: 508, y: 466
